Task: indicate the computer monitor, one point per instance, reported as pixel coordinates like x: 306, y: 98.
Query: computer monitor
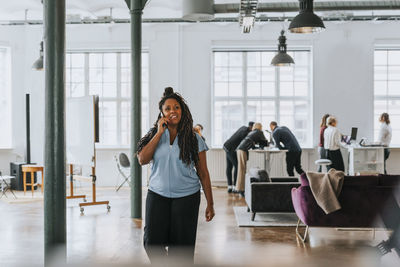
x: 353, y: 133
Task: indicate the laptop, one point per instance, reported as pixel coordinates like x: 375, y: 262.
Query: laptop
x: 347, y: 138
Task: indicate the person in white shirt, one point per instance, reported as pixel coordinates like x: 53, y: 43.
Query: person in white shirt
x: 332, y: 144
x: 385, y: 135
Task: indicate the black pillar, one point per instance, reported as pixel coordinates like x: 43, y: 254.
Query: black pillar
x: 54, y: 187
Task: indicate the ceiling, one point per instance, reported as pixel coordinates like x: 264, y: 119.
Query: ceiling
x: 77, y: 10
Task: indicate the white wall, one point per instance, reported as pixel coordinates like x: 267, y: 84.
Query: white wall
x: 180, y: 56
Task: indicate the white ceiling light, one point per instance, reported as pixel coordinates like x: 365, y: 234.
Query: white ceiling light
x: 198, y: 10
x: 247, y: 12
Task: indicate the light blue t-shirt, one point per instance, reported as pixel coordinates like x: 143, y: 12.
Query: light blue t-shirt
x: 170, y: 177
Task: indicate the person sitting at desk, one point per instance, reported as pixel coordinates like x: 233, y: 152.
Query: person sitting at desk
x: 385, y: 136
x: 282, y: 134
x: 256, y: 136
x: 332, y: 144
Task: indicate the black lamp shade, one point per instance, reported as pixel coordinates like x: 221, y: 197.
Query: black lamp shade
x: 282, y: 58
x: 306, y: 21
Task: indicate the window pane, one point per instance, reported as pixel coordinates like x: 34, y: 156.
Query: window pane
x: 253, y: 89
x: 235, y: 59
x: 253, y: 74
x: 235, y: 89
x: 380, y: 88
x: 254, y: 59
x: 286, y: 89
x: 268, y: 74
x: 77, y: 60
x: 235, y: 74
x: 380, y: 58
x: 394, y: 57
x: 227, y: 119
x: 221, y: 74
x: 268, y: 89
x: 221, y: 89
x: 221, y: 59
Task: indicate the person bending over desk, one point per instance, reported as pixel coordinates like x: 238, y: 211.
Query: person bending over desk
x: 256, y: 136
x: 282, y: 134
x: 230, y: 146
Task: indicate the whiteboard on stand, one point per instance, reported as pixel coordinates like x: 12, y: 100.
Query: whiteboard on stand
x: 80, y: 131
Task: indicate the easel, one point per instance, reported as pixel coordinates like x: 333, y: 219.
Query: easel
x: 94, y: 202
x: 71, y: 185
x: 78, y: 108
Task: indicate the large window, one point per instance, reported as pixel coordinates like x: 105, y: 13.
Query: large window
x: 247, y: 88
x: 107, y: 74
x: 387, y: 90
x: 5, y: 98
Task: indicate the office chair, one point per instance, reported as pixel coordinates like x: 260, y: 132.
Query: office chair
x: 123, y: 166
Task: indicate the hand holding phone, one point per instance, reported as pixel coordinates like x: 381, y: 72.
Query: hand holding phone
x: 163, y: 123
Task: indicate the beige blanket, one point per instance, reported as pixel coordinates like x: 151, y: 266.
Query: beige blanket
x: 326, y: 188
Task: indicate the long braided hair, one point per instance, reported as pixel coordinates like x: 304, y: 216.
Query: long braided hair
x: 187, y: 140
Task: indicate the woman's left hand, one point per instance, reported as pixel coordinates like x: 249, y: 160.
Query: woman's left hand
x: 210, y: 213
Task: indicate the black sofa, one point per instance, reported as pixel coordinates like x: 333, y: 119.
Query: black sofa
x: 273, y: 196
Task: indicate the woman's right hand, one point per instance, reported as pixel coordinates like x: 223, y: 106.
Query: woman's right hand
x: 161, y: 128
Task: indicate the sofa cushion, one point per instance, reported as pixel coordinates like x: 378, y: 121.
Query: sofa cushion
x: 361, y: 180
x: 389, y: 180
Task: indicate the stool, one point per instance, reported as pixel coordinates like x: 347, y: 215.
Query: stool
x: 323, y: 162
x: 32, y: 169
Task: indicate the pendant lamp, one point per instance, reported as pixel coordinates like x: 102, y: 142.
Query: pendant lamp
x: 306, y: 21
x: 38, y: 64
x: 282, y: 58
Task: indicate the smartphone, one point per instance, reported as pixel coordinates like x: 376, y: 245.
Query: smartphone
x: 164, y: 124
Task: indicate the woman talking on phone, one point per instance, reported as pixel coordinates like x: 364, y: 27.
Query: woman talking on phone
x: 178, y: 157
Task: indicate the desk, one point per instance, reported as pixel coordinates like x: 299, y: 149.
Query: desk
x: 365, y: 160
x: 279, y: 157
x: 6, y: 186
x: 32, y: 169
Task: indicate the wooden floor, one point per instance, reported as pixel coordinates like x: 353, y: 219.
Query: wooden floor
x: 114, y: 238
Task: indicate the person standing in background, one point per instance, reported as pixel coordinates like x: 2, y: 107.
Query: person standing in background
x: 332, y: 144
x: 256, y: 136
x: 230, y: 146
x: 282, y: 134
x: 198, y: 128
x: 385, y: 135
x: 321, y: 149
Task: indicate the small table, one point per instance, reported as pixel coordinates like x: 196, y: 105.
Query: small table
x: 32, y: 169
x: 267, y: 156
x: 6, y: 186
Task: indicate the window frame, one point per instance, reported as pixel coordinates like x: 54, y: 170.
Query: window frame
x: 8, y: 94
x: 277, y: 98
x: 385, y: 97
x: 118, y: 99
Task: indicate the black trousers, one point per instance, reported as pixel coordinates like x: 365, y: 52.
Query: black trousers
x: 386, y: 153
x: 293, y: 160
x: 337, y: 160
x: 172, y: 223
x: 231, y: 162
